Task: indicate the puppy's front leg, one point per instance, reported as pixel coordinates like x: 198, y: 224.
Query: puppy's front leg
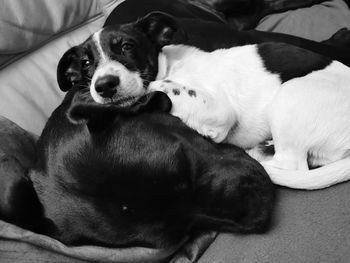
x: 198, y: 109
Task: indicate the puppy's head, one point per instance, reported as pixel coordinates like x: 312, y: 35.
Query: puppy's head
x: 118, y: 62
x: 106, y: 178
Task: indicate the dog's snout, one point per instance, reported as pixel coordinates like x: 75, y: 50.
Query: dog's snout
x: 106, y: 86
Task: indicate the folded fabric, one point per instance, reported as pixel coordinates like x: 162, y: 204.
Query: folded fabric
x: 318, y: 22
x: 28, y: 23
x: 191, y: 251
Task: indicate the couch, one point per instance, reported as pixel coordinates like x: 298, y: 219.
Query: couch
x: 308, y: 226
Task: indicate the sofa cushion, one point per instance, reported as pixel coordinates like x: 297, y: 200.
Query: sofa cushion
x: 27, y: 24
x: 309, y: 227
x: 318, y: 22
x: 29, y: 90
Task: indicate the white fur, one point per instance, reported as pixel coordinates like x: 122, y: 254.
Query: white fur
x: 96, y: 37
x: 131, y: 84
x: 246, y: 105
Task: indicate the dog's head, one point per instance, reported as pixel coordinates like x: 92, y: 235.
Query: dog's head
x: 118, y: 62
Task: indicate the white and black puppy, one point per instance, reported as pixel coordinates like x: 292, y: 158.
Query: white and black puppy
x: 242, y: 95
x: 246, y: 95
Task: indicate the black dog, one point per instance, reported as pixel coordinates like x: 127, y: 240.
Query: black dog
x: 138, y: 176
x: 136, y: 46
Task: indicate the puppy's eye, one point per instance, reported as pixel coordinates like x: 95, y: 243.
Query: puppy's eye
x: 127, y: 47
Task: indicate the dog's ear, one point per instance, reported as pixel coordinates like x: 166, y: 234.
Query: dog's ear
x: 154, y: 101
x: 96, y: 116
x: 159, y: 27
x: 69, y: 69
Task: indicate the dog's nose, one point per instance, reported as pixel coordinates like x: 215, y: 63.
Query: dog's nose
x: 106, y: 86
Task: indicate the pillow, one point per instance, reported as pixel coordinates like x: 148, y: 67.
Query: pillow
x: 28, y: 23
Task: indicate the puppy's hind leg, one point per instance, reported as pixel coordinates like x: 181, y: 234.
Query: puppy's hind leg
x: 290, y: 130
x: 288, y: 159
x: 290, y: 153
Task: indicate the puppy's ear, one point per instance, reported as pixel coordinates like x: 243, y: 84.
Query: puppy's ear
x: 69, y: 69
x: 159, y: 27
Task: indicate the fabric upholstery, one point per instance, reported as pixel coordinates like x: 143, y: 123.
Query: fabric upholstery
x: 309, y: 227
x: 27, y: 24
x: 318, y: 22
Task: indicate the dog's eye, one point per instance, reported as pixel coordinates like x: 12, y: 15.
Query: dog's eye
x: 127, y: 47
x: 85, y: 63
x: 124, y: 208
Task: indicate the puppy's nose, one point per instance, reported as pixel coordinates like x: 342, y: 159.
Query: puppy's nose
x: 106, y: 86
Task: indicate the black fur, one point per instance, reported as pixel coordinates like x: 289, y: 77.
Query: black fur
x: 19, y: 203
x: 192, y: 93
x: 176, y: 92
x: 290, y: 61
x: 138, y: 176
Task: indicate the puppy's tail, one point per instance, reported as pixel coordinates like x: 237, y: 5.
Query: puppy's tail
x: 318, y: 178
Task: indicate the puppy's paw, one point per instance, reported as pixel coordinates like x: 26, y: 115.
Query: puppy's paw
x: 215, y: 134
x: 286, y: 163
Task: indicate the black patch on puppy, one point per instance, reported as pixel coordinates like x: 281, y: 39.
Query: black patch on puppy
x: 176, y: 92
x: 192, y: 93
x: 290, y: 61
x: 167, y: 81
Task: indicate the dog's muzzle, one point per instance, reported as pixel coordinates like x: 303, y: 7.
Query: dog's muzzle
x: 107, y: 86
